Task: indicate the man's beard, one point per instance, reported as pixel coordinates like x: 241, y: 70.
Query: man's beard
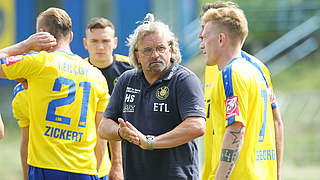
x: 159, y: 67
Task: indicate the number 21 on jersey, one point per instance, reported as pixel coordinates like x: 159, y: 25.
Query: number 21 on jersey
x: 51, y: 111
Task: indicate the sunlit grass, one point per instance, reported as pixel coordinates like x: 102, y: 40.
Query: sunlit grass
x: 9, y: 152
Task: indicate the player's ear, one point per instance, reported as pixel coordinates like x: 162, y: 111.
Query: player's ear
x: 222, y: 39
x: 84, y: 40
x: 136, y: 53
x: 115, y: 42
x: 71, y: 37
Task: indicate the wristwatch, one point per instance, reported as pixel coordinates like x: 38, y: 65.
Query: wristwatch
x: 149, y: 141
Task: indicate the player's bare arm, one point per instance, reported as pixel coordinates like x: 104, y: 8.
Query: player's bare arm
x: 101, y: 145
x: 189, y: 129
x: 108, y: 129
x: 278, y: 128
x: 231, y: 147
x: 116, y: 171
x: 24, y: 151
x: 36, y: 42
x: 1, y: 128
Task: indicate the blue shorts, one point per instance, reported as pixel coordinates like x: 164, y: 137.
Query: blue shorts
x: 106, y: 177
x: 35, y: 173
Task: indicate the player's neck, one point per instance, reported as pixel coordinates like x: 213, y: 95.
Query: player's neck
x: 101, y: 63
x: 228, y: 56
x: 61, y: 47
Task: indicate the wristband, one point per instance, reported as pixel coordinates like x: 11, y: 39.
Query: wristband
x: 119, y: 133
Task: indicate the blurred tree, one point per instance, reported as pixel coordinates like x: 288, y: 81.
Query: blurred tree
x: 269, y: 19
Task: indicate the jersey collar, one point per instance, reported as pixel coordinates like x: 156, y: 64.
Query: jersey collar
x: 70, y: 54
x: 231, y: 62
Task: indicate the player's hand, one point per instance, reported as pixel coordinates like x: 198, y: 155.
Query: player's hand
x: 40, y: 41
x: 126, y: 133
x: 116, y: 172
x: 142, y: 141
x: 23, y: 81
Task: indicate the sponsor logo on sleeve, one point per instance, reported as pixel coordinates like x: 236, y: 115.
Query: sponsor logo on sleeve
x: 271, y: 95
x: 232, y: 107
x: 199, y: 108
x: 13, y: 59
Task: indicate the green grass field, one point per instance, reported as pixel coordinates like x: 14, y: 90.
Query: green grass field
x: 11, y: 167
x: 10, y: 153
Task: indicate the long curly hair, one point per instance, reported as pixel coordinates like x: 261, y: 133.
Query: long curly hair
x: 148, y: 26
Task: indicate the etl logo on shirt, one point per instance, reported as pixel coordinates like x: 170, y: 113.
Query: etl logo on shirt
x: 160, y: 107
x: 232, y: 107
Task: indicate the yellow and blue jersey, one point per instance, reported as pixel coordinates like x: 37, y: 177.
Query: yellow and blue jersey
x: 20, y: 109
x: 241, y: 96
x: 211, y: 76
x: 210, y: 83
x: 20, y: 105
x: 265, y: 74
x: 64, y: 94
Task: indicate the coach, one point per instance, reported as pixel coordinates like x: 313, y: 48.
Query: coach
x: 160, y: 109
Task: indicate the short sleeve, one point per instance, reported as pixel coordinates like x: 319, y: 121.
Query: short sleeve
x: 114, y: 108
x: 190, y: 97
x: 24, y: 66
x: 236, y: 97
x: 20, y: 107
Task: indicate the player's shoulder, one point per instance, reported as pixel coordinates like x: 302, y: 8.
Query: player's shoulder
x: 239, y: 68
x: 66, y: 54
x: 121, y: 58
x: 182, y: 74
x: 130, y: 73
x: 86, y: 59
x: 93, y: 71
x: 182, y: 70
x: 121, y: 62
x: 252, y: 59
x: 37, y: 55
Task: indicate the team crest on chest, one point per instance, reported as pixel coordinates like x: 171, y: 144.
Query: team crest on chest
x: 162, y: 93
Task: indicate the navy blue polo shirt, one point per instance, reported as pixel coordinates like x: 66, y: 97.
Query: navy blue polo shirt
x: 154, y: 110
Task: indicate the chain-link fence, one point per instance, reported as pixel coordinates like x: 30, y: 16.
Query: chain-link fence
x: 301, y: 116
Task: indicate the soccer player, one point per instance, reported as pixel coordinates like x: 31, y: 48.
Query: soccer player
x: 66, y: 97
x: 243, y: 145
x: 1, y: 128
x: 161, y: 103
x: 210, y: 82
x: 20, y: 109
x: 100, y: 41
